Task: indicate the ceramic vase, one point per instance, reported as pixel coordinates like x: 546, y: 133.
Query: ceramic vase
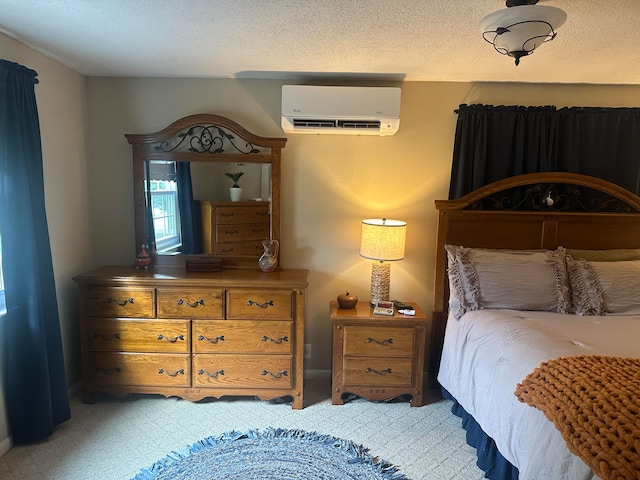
x: 269, y: 259
x: 235, y: 193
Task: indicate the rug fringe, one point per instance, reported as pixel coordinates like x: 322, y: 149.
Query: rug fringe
x: 360, y: 453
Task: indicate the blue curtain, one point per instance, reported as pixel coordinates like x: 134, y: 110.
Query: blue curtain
x: 189, y: 210
x: 36, y: 386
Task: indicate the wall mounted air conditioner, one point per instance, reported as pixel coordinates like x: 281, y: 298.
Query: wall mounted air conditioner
x: 340, y: 110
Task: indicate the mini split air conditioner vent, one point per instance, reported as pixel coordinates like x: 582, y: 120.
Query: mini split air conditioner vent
x: 340, y: 110
x: 309, y: 123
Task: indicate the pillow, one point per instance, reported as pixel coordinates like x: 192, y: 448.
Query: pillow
x: 514, y: 279
x: 599, y: 288
x: 612, y: 255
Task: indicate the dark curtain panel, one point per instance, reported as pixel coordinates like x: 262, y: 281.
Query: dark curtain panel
x: 36, y: 386
x: 151, y: 231
x: 189, y: 211
x: 602, y: 142
x: 492, y: 143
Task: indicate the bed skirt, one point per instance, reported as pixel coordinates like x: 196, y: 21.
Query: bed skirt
x: 490, y: 460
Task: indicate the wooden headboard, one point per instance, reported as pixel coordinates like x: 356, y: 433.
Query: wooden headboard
x: 531, y: 211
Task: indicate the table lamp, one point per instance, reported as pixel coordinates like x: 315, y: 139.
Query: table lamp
x: 382, y: 241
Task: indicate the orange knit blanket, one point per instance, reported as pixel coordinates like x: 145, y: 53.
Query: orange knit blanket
x: 595, y: 403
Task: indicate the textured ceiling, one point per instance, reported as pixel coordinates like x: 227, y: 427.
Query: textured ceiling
x: 415, y: 40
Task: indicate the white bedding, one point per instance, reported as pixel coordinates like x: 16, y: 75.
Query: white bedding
x: 487, y: 352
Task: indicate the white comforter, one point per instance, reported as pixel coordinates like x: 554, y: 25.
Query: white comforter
x: 487, y: 352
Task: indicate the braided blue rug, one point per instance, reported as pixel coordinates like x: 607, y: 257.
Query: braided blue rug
x: 271, y: 454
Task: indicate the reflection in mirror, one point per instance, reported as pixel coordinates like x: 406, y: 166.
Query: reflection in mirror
x: 182, y: 197
x: 165, y: 186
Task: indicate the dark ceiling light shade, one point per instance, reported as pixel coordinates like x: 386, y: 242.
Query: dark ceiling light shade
x: 521, y: 27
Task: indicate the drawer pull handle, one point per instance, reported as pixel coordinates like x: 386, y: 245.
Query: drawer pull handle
x: 174, y: 374
x: 283, y: 338
x: 168, y: 339
x: 283, y: 373
x: 212, y: 375
x: 211, y: 340
x: 231, y: 232
x: 268, y: 303
x: 226, y: 250
x: 227, y: 215
x: 257, y: 230
x: 122, y: 303
x: 262, y: 214
x: 106, y: 337
x: 383, y: 372
x: 373, y: 340
x: 108, y: 371
x: 193, y: 305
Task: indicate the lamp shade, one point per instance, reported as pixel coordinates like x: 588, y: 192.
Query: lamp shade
x: 383, y: 239
x: 517, y: 31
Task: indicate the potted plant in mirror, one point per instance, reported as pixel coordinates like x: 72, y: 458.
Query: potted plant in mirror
x: 235, y: 191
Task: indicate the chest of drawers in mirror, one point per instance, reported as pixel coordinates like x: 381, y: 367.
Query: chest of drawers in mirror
x: 193, y: 334
x: 234, y: 227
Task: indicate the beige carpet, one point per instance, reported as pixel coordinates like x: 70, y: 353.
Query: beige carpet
x: 113, y: 438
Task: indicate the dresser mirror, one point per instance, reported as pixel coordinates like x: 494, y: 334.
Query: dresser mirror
x: 182, y: 197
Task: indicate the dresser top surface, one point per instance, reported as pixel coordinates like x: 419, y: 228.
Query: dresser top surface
x: 297, y: 278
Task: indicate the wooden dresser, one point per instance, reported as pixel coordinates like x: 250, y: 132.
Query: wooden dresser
x: 193, y: 334
x: 234, y: 228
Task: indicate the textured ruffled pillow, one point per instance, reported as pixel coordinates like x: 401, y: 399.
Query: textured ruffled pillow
x: 604, y: 288
x: 514, y: 279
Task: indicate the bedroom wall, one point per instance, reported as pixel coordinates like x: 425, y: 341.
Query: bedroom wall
x: 61, y: 99
x: 329, y: 183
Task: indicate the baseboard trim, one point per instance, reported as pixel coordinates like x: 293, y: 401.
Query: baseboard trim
x: 5, y: 445
x: 74, y: 389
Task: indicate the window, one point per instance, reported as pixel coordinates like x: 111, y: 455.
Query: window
x: 163, y: 190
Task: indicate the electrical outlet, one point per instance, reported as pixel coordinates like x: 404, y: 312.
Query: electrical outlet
x: 307, y: 350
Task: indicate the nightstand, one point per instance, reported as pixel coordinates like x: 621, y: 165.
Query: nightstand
x: 377, y: 357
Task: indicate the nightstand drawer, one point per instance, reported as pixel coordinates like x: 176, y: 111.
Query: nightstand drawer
x: 177, y: 303
x: 242, y: 336
x: 257, y: 304
x: 242, y: 371
x: 117, y: 335
x: 385, y: 341
x: 374, y: 371
x: 122, y: 302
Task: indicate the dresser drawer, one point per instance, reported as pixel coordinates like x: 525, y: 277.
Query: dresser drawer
x: 242, y: 371
x: 237, y: 215
x: 242, y: 336
x: 383, y: 341
x: 167, y: 370
x: 187, y: 303
x: 108, y: 334
x: 121, y: 302
x: 237, y: 233
x: 230, y: 233
x: 384, y: 372
x: 246, y: 247
x: 258, y: 304
x: 257, y: 231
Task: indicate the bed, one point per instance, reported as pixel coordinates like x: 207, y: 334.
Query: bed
x: 505, y: 305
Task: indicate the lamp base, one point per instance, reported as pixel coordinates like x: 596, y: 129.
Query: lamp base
x: 380, y: 281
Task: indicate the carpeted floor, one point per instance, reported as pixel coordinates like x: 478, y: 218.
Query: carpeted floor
x: 114, y: 438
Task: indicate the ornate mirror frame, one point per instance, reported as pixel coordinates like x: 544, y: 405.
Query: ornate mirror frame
x: 204, y: 138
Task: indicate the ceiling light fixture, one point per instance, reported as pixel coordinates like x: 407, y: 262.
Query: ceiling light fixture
x: 521, y: 27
